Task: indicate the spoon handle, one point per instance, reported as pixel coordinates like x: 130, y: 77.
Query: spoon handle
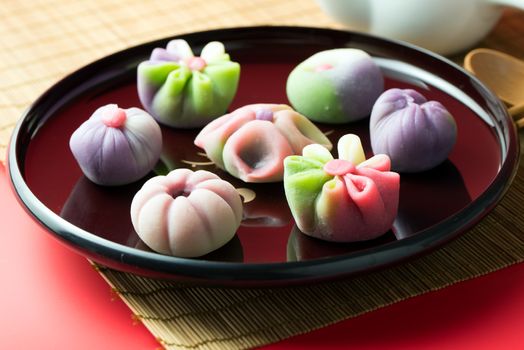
x: 517, y: 113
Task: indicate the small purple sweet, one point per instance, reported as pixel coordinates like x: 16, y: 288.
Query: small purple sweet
x: 415, y: 133
x: 117, y: 146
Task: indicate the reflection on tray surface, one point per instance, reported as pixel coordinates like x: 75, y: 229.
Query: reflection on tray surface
x: 302, y: 247
x: 428, y: 198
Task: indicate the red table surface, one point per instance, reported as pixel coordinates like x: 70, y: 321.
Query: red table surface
x: 51, y: 298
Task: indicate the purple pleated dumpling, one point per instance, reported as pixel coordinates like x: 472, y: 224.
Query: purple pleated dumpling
x: 117, y: 146
x: 415, y: 133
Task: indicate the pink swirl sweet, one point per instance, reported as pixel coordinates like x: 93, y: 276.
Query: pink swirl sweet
x: 186, y: 213
x: 251, y: 142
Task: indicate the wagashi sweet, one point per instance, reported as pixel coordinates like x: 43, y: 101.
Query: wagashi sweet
x: 182, y: 90
x: 415, y: 133
x: 343, y: 200
x: 251, y: 142
x: 186, y: 213
x: 117, y: 146
x: 335, y: 86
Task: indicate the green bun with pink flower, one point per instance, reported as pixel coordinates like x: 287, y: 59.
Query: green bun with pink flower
x: 182, y: 90
x: 335, y: 86
x: 342, y: 200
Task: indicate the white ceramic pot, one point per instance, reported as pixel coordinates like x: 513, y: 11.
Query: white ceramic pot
x: 443, y: 26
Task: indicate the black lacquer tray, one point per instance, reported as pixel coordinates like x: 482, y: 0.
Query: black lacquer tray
x: 435, y: 206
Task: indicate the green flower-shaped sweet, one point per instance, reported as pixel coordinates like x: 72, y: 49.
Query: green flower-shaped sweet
x: 346, y: 199
x: 186, y: 91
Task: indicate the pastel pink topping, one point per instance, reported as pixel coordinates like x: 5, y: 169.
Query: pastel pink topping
x: 264, y: 114
x: 196, y: 63
x: 339, y: 167
x: 115, y: 118
x: 323, y: 67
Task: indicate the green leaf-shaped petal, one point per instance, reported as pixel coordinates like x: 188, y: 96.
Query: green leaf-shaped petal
x: 303, y: 181
x: 225, y: 77
x: 299, y: 164
x: 168, y: 102
x: 200, y: 99
x: 219, y: 59
x: 156, y: 74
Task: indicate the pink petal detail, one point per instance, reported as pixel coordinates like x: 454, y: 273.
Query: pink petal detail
x: 339, y: 167
x: 299, y: 130
x: 256, y: 152
x: 380, y: 162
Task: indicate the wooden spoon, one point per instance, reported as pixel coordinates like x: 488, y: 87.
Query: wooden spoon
x: 502, y: 73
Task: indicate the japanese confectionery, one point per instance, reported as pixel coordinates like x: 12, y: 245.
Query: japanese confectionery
x: 186, y: 213
x: 251, y: 142
x: 182, y: 90
x: 415, y: 133
x: 335, y: 86
x: 343, y: 200
x: 117, y: 146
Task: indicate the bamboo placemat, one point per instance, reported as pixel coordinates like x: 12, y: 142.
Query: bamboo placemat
x: 41, y: 41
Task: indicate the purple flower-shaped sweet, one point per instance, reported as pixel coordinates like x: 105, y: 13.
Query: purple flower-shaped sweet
x: 415, y: 133
x: 117, y: 146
